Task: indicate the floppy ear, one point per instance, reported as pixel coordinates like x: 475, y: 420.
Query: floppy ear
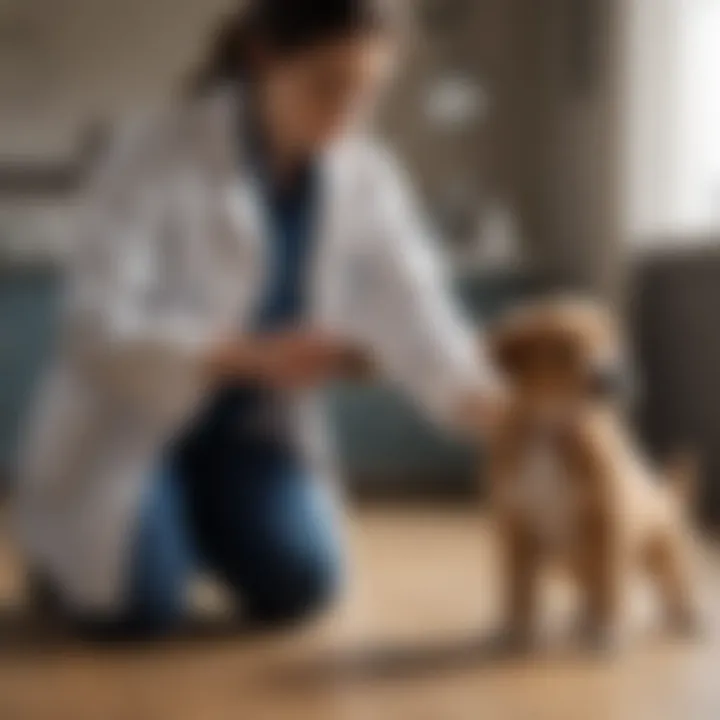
x: 507, y: 347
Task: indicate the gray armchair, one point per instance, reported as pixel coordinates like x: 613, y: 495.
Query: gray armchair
x: 676, y: 323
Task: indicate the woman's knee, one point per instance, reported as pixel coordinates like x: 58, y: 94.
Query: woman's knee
x: 274, y: 538
x: 292, y: 587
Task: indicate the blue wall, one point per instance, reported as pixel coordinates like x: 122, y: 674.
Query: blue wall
x: 27, y: 322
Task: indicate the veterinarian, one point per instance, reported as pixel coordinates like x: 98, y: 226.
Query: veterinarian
x: 234, y: 247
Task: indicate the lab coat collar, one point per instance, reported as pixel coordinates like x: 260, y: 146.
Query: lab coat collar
x: 225, y: 149
x: 222, y: 116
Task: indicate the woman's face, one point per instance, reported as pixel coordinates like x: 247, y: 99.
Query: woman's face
x: 312, y: 96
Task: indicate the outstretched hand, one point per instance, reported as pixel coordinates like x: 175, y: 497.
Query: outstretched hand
x: 295, y: 359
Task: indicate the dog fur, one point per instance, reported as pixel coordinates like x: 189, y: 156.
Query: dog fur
x: 568, y: 482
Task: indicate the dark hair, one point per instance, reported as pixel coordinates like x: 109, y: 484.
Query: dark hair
x: 288, y: 26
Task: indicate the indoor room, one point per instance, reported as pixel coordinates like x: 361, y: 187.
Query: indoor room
x: 358, y: 359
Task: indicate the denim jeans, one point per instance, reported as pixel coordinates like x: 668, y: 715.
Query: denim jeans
x: 248, y: 512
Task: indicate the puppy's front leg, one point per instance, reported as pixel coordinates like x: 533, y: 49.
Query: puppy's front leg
x: 519, y: 551
x: 600, y: 575
x: 601, y: 550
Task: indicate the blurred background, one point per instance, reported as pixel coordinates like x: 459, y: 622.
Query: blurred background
x: 556, y: 143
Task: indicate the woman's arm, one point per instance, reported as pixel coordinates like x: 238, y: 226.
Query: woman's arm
x: 424, y: 341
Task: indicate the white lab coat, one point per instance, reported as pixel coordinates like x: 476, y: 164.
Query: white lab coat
x: 171, y: 255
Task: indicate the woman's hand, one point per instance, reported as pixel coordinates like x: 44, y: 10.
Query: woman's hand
x: 289, y: 360
x: 299, y: 359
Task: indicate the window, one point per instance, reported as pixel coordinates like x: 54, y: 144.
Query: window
x: 674, y: 132
x: 698, y: 129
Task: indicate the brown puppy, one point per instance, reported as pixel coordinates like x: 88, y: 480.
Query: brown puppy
x: 568, y: 482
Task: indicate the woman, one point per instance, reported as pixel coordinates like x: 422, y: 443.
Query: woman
x: 236, y: 248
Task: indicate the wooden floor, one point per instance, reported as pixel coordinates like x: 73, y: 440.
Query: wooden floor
x: 407, y: 644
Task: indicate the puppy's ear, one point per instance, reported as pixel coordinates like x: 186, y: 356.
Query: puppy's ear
x: 508, y: 348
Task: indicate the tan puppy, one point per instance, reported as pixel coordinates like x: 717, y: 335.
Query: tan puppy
x: 568, y: 482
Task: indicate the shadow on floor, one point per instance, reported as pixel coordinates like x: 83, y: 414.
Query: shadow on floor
x: 25, y: 634
x: 398, y: 662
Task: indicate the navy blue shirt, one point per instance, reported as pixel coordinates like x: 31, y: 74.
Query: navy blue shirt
x: 290, y: 218
x: 246, y: 424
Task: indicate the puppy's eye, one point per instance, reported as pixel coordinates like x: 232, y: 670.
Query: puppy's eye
x: 563, y: 355
x: 567, y: 357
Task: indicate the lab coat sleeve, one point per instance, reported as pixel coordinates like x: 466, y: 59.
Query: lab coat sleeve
x: 140, y: 346
x: 424, y: 341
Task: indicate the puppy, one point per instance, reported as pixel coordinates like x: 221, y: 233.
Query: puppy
x: 568, y: 483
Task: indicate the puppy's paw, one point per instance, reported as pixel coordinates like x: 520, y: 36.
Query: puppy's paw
x: 604, y: 639
x: 687, y: 625
x: 511, y: 641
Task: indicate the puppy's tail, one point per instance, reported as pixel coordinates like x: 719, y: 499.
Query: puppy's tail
x: 682, y: 474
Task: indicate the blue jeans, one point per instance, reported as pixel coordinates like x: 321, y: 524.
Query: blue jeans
x: 245, y: 511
